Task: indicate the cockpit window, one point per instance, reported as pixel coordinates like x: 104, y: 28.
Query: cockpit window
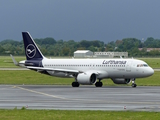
x: 142, y: 65
x: 145, y: 65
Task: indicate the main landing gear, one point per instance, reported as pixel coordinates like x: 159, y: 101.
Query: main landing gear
x: 99, y: 84
x: 133, y: 83
x: 75, y: 84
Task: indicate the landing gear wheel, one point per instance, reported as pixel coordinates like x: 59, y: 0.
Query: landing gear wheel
x: 75, y: 84
x: 99, y: 84
x: 134, y: 85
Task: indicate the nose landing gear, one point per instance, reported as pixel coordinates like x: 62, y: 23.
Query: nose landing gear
x: 133, y: 83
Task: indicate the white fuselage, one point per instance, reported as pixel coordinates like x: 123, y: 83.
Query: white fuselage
x: 105, y: 68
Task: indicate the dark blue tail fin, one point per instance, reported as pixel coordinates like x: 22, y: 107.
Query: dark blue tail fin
x: 31, y: 50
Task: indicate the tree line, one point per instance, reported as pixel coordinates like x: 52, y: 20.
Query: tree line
x: 51, y: 47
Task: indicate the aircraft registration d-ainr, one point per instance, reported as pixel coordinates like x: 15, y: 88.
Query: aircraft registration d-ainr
x: 85, y: 71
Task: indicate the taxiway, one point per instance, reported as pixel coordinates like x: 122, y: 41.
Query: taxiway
x: 82, y: 98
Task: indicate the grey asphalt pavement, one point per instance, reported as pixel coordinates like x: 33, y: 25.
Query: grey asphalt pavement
x: 82, y: 98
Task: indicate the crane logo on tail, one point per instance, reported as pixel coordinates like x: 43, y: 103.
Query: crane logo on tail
x: 30, y: 51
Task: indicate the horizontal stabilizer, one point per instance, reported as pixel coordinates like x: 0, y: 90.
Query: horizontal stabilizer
x: 14, y: 61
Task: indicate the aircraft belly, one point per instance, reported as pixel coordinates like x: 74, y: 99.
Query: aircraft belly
x: 60, y: 74
x: 118, y: 74
x: 121, y: 74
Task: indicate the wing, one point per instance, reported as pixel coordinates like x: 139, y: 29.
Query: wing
x: 99, y: 73
x: 56, y: 70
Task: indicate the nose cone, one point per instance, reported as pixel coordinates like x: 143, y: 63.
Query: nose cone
x: 150, y: 72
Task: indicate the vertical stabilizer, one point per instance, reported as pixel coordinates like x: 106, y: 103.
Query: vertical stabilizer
x: 31, y: 50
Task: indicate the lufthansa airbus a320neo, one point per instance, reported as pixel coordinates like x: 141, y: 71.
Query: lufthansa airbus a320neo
x: 84, y: 71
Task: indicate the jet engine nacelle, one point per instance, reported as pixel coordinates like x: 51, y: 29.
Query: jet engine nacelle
x: 87, y: 78
x: 121, y: 80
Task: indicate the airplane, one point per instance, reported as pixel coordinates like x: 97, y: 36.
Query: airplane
x: 85, y: 71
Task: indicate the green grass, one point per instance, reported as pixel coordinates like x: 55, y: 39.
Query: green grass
x: 6, y: 61
x: 76, y: 115
x: 31, y: 77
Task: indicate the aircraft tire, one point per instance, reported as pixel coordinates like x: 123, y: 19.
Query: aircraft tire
x: 134, y: 85
x: 75, y: 84
x: 99, y: 84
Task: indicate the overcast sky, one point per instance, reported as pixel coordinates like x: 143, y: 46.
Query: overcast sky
x: 105, y: 20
